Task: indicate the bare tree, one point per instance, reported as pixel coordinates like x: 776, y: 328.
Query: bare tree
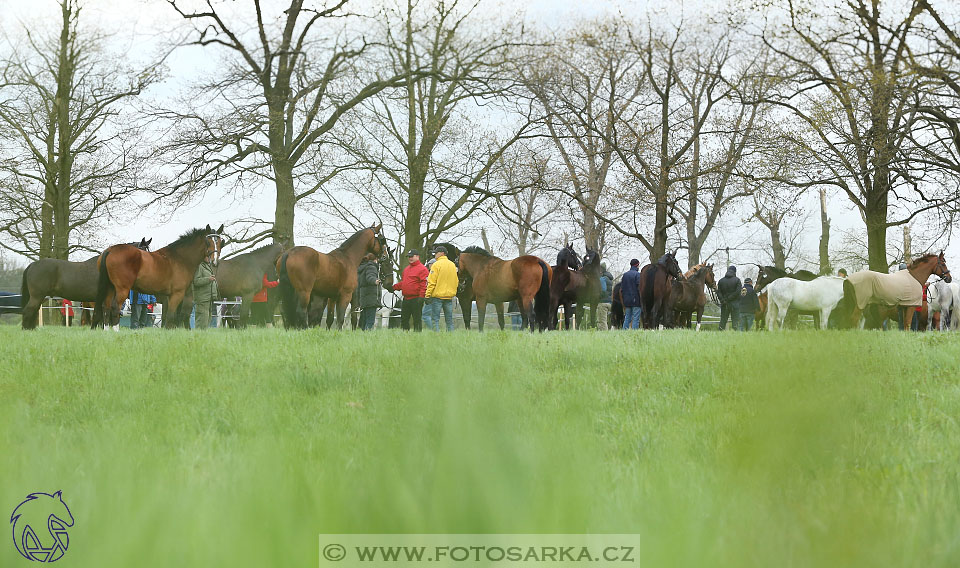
x: 853, y: 87
x: 283, y: 87
x: 71, y: 144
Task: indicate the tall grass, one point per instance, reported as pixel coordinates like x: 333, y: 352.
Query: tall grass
x: 238, y: 449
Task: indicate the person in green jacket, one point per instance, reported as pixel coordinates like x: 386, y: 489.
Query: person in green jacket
x: 204, y: 292
x: 368, y: 296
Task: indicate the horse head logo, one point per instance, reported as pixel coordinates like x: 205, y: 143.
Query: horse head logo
x: 40, y: 527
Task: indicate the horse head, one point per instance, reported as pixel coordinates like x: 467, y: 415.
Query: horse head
x: 709, y: 278
x: 214, y: 242
x: 591, y: 258
x: 941, y: 270
x: 145, y: 244
x: 669, y: 262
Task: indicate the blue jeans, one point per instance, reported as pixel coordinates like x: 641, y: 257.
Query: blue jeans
x: 447, y: 305
x: 427, y: 315
x: 745, y: 320
x: 631, y: 317
x: 368, y: 316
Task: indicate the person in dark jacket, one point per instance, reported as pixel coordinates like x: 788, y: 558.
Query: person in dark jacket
x: 728, y: 290
x: 606, y: 297
x: 748, y: 304
x: 413, y: 285
x: 368, y: 291
x: 630, y: 290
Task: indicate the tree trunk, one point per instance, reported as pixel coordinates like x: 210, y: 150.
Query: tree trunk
x: 779, y: 258
x: 286, y: 203
x: 825, y: 267
x: 907, y: 252
x: 660, y: 226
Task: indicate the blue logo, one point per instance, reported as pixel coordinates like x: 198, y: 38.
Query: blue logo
x: 40, y: 527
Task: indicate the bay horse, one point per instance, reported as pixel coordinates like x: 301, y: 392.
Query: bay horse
x: 688, y: 295
x: 384, y: 274
x: 903, y: 288
x: 307, y: 275
x: 167, y: 272
x: 526, y: 278
x: 616, y: 307
x: 656, y: 284
x: 51, y: 277
x: 580, y: 287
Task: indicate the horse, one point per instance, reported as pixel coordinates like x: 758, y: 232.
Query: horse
x: 822, y: 294
x: 306, y: 274
x: 902, y: 288
x: 384, y: 273
x: 769, y: 274
x: 616, y: 307
x: 687, y: 295
x: 242, y: 275
x: 939, y: 299
x: 580, y: 286
x: 167, y: 272
x: 495, y: 280
x: 53, y: 277
x: 656, y: 283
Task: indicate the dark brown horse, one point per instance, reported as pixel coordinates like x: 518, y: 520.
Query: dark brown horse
x: 495, y: 280
x: 307, y: 275
x: 50, y: 277
x: 580, y: 287
x: 656, y: 284
x: 688, y: 295
x: 167, y: 272
x: 242, y: 275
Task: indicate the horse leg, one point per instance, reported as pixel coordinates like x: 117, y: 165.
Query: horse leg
x: 499, y: 306
x: 699, y: 317
x: 824, y: 317
x: 245, y: 302
x: 481, y: 311
x: 342, y: 310
x: 301, y: 319
x: 771, y: 314
x: 175, y: 300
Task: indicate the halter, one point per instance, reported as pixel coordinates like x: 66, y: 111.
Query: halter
x: 941, y: 263
x: 216, y: 238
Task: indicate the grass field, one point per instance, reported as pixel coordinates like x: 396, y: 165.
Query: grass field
x: 181, y: 449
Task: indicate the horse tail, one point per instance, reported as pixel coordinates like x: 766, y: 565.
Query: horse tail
x: 103, y: 281
x: 541, y: 300
x: 647, y: 299
x: 288, y: 296
x: 28, y: 321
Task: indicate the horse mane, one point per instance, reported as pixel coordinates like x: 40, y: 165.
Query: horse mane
x: 476, y: 250
x: 921, y: 260
x: 186, y: 238
x: 352, y: 238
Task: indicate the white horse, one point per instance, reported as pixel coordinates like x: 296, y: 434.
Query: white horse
x: 940, y: 298
x: 955, y: 312
x: 821, y: 294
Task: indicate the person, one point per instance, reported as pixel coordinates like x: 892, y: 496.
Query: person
x: 66, y: 309
x: 842, y: 273
x: 748, y: 304
x: 204, y: 292
x: 630, y: 290
x: 728, y: 290
x: 368, y: 290
x: 140, y: 309
x: 516, y: 320
x: 427, y: 313
x: 606, y: 297
x: 413, y: 286
x: 441, y: 288
x: 258, y: 310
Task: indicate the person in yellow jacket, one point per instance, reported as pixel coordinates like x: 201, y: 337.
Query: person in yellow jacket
x: 441, y: 288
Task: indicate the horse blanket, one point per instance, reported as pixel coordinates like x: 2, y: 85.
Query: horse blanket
x: 897, y: 289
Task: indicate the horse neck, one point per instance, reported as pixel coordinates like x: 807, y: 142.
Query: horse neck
x: 922, y: 272
x: 191, y: 253
x: 354, y: 253
x: 474, y: 263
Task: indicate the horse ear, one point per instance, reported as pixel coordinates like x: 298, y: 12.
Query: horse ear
x: 207, y: 228
x: 150, y: 240
x: 376, y: 228
x: 220, y: 230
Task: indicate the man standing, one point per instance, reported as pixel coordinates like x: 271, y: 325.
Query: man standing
x: 413, y: 286
x: 368, y: 290
x: 748, y: 304
x: 606, y: 297
x: 442, y: 287
x: 204, y: 292
x: 728, y: 289
x: 630, y: 291
x: 139, y: 309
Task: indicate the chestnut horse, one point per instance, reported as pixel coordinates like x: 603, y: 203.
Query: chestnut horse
x: 307, y: 275
x: 495, y: 280
x: 859, y: 294
x: 165, y: 272
x: 688, y: 297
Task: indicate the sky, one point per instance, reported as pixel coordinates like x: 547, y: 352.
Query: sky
x: 153, y: 20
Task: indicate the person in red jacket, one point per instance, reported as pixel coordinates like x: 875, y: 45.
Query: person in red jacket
x: 413, y: 285
x: 258, y: 311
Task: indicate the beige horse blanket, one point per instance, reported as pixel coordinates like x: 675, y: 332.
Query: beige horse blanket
x: 897, y: 289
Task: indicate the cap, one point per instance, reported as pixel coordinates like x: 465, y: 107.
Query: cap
x: 413, y: 252
x: 439, y: 248
x: 748, y: 281
x: 634, y: 262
